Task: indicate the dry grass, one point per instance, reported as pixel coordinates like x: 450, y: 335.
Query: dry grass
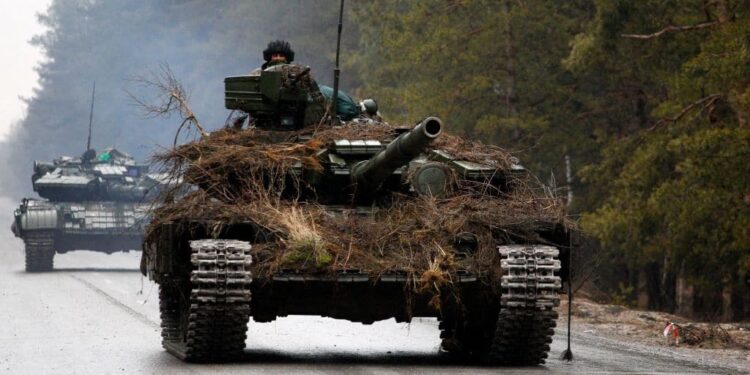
x: 302, y: 239
x: 647, y: 326
x: 237, y: 176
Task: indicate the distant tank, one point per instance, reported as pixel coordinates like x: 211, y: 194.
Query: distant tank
x: 360, y: 221
x: 98, y: 202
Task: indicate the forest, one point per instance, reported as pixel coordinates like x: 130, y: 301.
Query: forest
x: 635, y: 112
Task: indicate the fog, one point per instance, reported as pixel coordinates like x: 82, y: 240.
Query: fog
x: 112, y: 42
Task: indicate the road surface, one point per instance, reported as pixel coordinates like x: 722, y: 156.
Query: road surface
x: 95, y: 314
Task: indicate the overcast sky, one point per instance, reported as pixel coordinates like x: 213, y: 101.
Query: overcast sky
x: 18, y: 24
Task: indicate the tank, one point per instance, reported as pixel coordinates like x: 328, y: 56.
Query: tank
x: 98, y: 202
x: 359, y: 220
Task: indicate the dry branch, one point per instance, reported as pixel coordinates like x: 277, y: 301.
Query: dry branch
x: 172, y: 98
x: 706, y: 102
x: 672, y: 29
x: 245, y: 176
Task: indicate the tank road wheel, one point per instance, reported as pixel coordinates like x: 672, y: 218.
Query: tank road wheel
x: 527, y: 318
x: 40, y: 251
x: 522, y: 337
x: 204, y: 319
x: 170, y: 309
x: 470, y: 336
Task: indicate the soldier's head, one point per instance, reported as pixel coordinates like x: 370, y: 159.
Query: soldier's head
x: 278, y: 51
x: 368, y: 107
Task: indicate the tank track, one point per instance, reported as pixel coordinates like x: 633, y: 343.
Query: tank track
x: 40, y: 251
x: 520, y: 333
x: 527, y: 318
x: 204, y: 319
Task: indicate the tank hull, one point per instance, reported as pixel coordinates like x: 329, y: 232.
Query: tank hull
x: 210, y: 288
x: 366, y: 299
x: 50, y: 227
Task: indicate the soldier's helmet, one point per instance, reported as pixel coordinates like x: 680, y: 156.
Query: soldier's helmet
x: 281, y: 47
x: 369, y: 107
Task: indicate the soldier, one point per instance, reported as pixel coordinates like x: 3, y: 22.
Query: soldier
x: 277, y: 52
x: 88, y: 156
x: 369, y: 110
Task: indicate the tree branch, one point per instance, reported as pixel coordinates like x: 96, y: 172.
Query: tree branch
x: 672, y: 29
x: 172, y: 98
x: 704, y: 102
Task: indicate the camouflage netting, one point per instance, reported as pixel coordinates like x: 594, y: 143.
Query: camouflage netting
x: 241, y: 172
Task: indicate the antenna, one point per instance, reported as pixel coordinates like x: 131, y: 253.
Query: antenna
x: 91, y: 116
x: 337, y: 71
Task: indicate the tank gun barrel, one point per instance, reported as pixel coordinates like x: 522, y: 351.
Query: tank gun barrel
x: 370, y: 174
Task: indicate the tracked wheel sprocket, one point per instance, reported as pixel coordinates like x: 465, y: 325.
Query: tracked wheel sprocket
x: 204, y: 318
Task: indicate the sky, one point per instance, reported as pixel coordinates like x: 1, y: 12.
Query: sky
x: 18, y: 24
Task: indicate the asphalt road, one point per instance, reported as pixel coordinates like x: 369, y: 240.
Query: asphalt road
x: 95, y: 315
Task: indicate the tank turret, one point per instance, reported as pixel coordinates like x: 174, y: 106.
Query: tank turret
x: 370, y: 174
x: 109, y: 175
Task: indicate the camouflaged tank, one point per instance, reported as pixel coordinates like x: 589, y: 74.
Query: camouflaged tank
x: 219, y: 267
x: 98, y: 202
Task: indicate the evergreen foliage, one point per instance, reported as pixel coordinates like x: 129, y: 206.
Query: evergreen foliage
x: 672, y: 188
x: 649, y: 100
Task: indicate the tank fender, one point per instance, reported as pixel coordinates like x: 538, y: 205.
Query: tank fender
x: 38, y: 216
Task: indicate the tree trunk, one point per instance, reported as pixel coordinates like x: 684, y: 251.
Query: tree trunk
x: 727, y: 312
x: 684, y: 294
x: 510, y: 55
x: 742, y: 300
x: 642, y: 289
x: 666, y: 294
x: 723, y: 11
x: 568, y: 178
